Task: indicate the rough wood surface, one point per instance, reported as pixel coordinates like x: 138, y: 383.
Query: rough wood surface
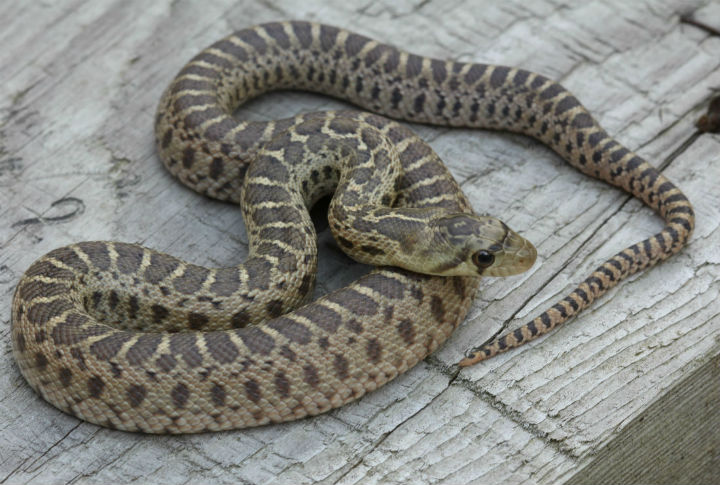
x: 80, y: 82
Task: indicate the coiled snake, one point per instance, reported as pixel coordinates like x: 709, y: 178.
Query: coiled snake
x: 218, y: 348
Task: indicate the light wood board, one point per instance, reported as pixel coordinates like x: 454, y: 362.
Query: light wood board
x: 79, y: 83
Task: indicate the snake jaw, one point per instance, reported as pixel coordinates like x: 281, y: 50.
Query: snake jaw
x: 517, y: 256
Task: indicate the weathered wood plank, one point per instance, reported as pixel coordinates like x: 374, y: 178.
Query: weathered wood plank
x: 80, y: 81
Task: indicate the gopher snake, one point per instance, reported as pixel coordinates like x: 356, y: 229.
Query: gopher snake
x: 78, y: 309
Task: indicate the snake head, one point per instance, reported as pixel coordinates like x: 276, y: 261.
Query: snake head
x: 470, y: 245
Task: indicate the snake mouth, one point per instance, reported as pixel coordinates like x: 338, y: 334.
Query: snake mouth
x: 517, y: 256
x: 525, y: 257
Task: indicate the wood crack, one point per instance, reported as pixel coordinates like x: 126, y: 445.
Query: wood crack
x: 453, y: 372
x: 539, y: 417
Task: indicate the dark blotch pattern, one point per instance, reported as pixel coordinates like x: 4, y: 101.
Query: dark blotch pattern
x: 288, y: 353
x: 184, y: 344
x: 159, y: 313
x: 188, y: 157
x: 166, y: 362
x: 392, y: 58
x: 41, y: 313
x: 310, y: 375
x: 292, y: 330
x: 233, y: 49
x: 216, y: 167
x: 41, y: 361
x: 354, y: 44
x: 256, y: 340
x: 180, y: 395
x: 98, y: 254
x: 191, y: 280
x: 474, y: 74
x: 302, y: 33
x: 438, y: 70
x: 384, y: 285
x: 49, y: 269
x: 133, y: 307
x: 143, y: 349
x: 240, y: 319
x: 416, y: 292
x: 355, y: 301
x: 437, y: 308
x: 72, y: 330
x: 282, y: 385
x: 221, y: 347
x: 374, y: 350
x: 65, y: 376
x: 217, y: 395
x: 95, y: 386
x: 413, y: 67
x: 196, y: 321
x: 326, y: 318
x: 328, y: 35
x: 340, y: 364
x: 355, y: 326
x: 566, y: 104
x: 459, y: 286
x: 136, y: 394
x: 217, y: 131
x: 276, y: 31
x: 69, y: 257
x: 108, y: 347
x: 252, y: 390
x: 129, y: 257
x: 406, y: 329
x: 253, y: 39
x: 160, y: 267
x: 274, y: 308
x: 498, y: 76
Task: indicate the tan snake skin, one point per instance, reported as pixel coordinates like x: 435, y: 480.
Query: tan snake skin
x: 197, y: 364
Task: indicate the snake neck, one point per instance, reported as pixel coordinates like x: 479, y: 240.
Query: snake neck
x: 334, y: 154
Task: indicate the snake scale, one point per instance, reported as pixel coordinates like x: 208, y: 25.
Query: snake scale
x: 133, y: 339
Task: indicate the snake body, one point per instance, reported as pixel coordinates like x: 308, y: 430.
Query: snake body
x: 233, y: 347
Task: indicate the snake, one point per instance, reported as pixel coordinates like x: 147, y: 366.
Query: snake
x: 134, y: 339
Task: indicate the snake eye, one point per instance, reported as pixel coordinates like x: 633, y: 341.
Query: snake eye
x: 483, y: 259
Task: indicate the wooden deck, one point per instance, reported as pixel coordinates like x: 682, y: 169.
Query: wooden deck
x: 628, y: 392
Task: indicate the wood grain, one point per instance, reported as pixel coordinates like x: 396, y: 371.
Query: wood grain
x: 80, y: 82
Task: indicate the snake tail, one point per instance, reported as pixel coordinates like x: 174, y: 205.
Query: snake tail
x: 582, y: 142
